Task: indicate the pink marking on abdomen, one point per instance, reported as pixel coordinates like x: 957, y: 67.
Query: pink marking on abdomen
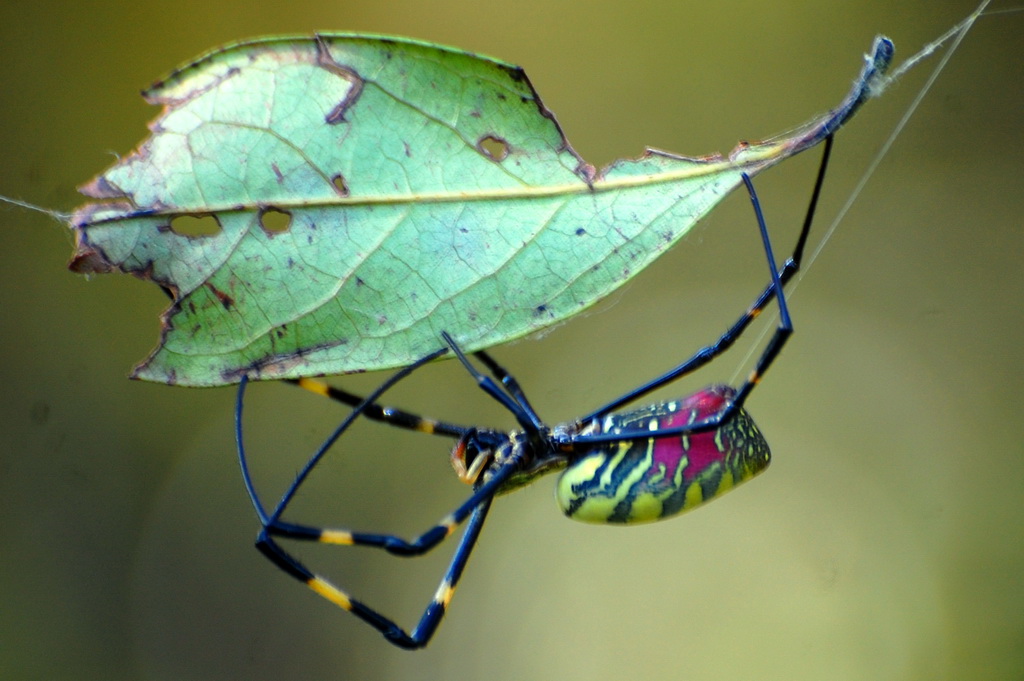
x: 702, y: 452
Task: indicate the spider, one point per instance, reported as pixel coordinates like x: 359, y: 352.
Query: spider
x: 639, y: 465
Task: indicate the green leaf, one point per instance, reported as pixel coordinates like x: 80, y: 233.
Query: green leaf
x: 423, y: 189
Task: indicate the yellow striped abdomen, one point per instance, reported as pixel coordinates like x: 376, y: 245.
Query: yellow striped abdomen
x: 647, y: 479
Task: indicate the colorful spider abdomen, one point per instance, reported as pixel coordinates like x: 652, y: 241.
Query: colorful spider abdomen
x: 635, y: 481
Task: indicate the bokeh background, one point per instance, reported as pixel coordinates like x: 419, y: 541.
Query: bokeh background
x: 885, y: 542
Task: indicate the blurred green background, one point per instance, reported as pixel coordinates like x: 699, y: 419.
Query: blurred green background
x: 886, y: 541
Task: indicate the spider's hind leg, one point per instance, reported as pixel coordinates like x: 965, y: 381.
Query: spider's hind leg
x: 775, y: 288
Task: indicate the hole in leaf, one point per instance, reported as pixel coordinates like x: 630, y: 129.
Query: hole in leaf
x: 339, y: 184
x: 195, y: 225
x: 275, y: 221
x: 493, y: 148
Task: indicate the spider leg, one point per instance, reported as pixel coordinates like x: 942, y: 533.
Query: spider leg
x: 403, y: 419
x: 475, y: 508
x: 509, y: 381
x: 726, y: 340
x: 376, y: 412
x: 514, y: 400
x: 434, y: 611
x: 267, y: 518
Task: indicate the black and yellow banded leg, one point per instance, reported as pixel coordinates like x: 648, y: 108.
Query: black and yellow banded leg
x: 383, y: 414
x: 475, y: 508
x: 774, y: 289
x: 432, y: 614
x: 408, y: 420
x: 268, y: 519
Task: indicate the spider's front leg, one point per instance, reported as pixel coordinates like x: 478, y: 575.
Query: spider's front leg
x: 475, y: 508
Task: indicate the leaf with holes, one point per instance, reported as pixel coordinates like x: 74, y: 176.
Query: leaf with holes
x: 362, y: 194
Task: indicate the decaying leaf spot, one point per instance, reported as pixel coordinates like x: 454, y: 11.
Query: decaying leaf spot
x: 275, y: 221
x: 339, y: 183
x: 195, y: 225
x: 337, y: 115
x: 493, y: 148
x: 227, y: 301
